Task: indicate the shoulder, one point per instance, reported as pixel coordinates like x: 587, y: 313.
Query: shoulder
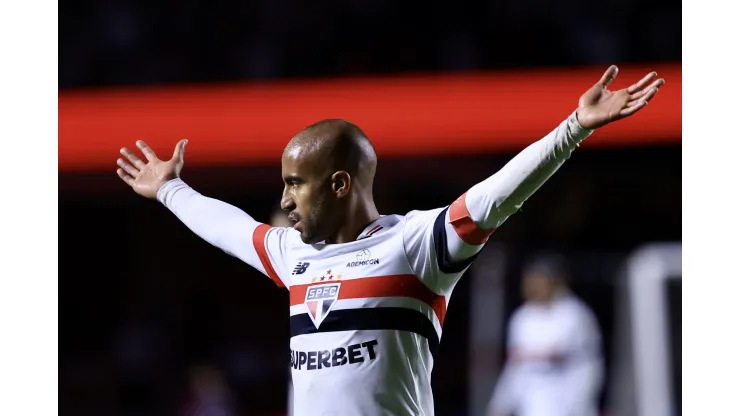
x: 577, y: 310
x: 522, y: 313
x: 418, y: 221
x: 284, y: 238
x: 423, y: 215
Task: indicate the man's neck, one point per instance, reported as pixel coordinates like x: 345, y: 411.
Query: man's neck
x: 355, y: 223
x: 556, y: 295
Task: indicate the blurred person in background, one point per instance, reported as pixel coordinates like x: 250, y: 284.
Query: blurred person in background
x: 209, y: 394
x: 554, y: 365
x: 279, y: 218
x: 369, y: 292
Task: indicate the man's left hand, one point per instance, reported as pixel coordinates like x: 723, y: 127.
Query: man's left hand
x: 598, y: 106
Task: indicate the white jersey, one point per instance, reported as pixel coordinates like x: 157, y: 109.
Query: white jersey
x: 366, y: 316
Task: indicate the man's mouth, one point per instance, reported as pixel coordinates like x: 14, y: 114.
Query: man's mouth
x: 295, y: 220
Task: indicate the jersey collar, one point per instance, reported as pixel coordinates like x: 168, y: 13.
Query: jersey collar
x: 382, y: 224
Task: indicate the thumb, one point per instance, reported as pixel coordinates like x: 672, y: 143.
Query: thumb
x: 179, y: 154
x: 609, y: 76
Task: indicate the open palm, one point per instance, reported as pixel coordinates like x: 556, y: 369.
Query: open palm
x: 599, y: 106
x: 147, y: 178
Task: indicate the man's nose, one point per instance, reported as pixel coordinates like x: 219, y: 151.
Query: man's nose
x: 286, y: 203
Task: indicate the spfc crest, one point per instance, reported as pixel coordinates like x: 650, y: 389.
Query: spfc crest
x: 320, y: 299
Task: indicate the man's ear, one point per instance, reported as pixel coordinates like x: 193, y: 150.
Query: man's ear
x: 340, y: 183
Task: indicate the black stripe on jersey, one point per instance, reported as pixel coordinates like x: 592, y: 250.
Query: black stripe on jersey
x: 399, y: 319
x: 444, y: 262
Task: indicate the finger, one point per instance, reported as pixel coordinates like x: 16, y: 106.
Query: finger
x: 148, y: 152
x: 640, y: 85
x: 649, y: 94
x: 125, y: 177
x: 128, y: 168
x: 609, y: 76
x: 133, y: 158
x: 632, y: 110
x: 656, y: 84
x: 179, y: 153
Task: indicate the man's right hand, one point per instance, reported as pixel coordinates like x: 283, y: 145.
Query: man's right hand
x: 147, y: 178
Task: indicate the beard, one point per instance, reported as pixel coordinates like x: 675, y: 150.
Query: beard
x: 315, y: 225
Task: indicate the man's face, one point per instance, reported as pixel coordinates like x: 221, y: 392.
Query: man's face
x: 308, y: 197
x: 538, y: 287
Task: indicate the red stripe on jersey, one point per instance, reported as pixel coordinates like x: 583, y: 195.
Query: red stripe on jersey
x: 404, y: 285
x: 464, y: 226
x: 258, y: 239
x: 372, y: 230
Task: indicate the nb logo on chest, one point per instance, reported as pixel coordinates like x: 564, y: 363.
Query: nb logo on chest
x: 301, y: 268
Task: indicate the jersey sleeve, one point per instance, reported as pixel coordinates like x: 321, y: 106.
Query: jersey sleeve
x: 426, y: 240
x: 584, y: 375
x: 587, y: 339
x: 486, y: 206
x: 441, y: 244
x: 230, y: 229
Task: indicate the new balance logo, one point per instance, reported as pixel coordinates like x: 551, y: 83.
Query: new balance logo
x: 301, y: 268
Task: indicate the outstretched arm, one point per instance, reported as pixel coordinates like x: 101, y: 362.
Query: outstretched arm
x: 220, y: 224
x: 453, y: 236
x: 476, y: 214
x: 473, y: 217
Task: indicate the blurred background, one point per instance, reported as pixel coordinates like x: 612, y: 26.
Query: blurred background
x: 157, y: 322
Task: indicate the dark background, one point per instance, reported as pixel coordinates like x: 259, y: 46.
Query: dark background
x: 147, y: 309
x: 127, y: 42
